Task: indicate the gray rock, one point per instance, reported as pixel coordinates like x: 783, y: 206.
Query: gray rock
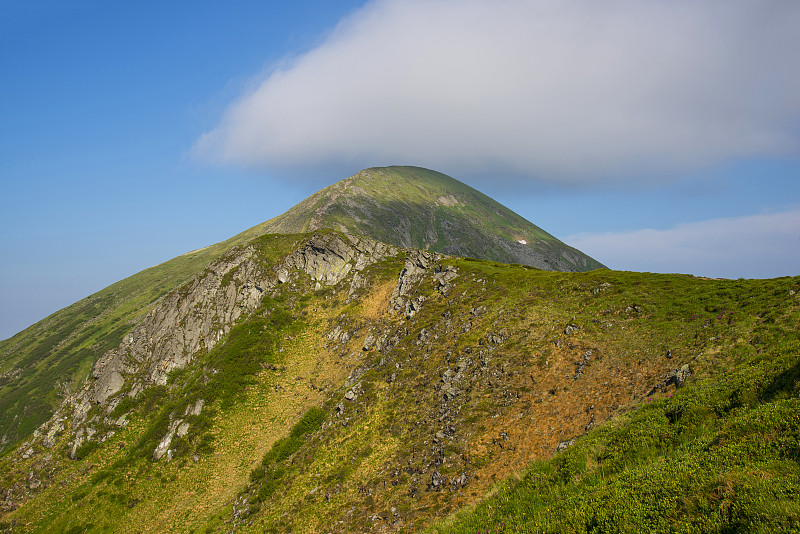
x: 33, y: 482
x: 678, y: 376
x: 460, y: 481
x: 182, y: 429
x: 582, y: 364
x: 451, y: 393
x: 602, y: 287
x: 563, y: 445
x: 369, y: 342
x: 444, y: 279
x: 437, y: 480
x: 418, y: 264
x: 590, y: 424
x: 195, y: 408
x: 477, y: 312
x: 55, y: 429
x: 496, y: 337
x: 571, y: 329
x: 175, y: 428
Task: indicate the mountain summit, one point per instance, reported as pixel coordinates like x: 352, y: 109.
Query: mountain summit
x: 402, y: 206
x: 326, y: 381
x: 424, y: 209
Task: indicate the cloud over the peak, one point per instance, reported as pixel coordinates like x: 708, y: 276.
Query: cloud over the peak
x: 569, y: 90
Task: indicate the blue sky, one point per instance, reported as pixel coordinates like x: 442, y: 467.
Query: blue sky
x: 655, y: 136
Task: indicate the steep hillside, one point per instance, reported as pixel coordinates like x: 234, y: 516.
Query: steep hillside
x: 404, y: 206
x: 50, y: 359
x: 329, y: 383
x: 419, y: 208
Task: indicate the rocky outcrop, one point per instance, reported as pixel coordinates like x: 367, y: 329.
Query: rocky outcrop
x: 328, y: 258
x: 675, y: 378
x: 192, y: 320
x: 418, y: 264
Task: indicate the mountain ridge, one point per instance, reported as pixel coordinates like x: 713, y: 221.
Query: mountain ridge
x: 326, y: 381
x: 331, y: 383
x: 47, y: 360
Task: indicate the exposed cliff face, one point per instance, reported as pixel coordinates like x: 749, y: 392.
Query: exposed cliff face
x: 328, y: 259
x: 192, y: 320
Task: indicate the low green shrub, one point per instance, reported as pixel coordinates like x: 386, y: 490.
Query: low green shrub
x: 722, y: 455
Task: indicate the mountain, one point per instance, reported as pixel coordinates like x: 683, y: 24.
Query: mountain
x: 327, y: 381
x: 424, y: 209
x: 403, y: 206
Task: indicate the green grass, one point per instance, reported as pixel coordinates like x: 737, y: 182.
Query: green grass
x: 719, y: 455
x: 266, y: 477
x: 62, y: 348
x: 54, y: 356
x: 401, y: 205
x: 218, y: 378
x: 620, y: 461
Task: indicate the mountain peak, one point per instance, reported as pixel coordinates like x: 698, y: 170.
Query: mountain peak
x: 420, y: 208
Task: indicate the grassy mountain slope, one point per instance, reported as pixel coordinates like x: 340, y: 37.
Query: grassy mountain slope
x: 424, y: 209
x: 45, y: 362
x: 51, y: 358
x: 408, y: 206
x: 381, y: 392
x: 718, y: 456
x: 721, y: 456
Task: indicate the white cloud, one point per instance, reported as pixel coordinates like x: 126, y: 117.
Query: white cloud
x: 755, y: 246
x: 568, y: 90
